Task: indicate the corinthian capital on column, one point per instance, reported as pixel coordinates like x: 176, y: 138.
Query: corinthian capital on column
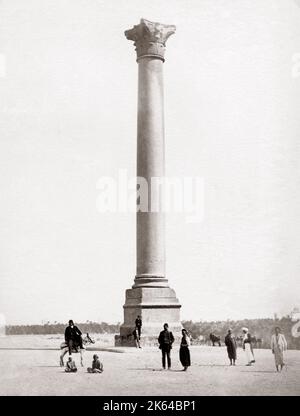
x: 150, y: 38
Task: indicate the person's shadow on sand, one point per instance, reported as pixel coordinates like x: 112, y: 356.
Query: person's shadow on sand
x: 157, y: 369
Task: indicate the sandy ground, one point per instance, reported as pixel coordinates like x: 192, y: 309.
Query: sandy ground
x: 137, y: 372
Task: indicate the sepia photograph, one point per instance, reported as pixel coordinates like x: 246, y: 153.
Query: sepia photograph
x: 149, y: 200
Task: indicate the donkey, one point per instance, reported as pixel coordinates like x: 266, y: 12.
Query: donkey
x: 215, y: 339
x: 64, y: 349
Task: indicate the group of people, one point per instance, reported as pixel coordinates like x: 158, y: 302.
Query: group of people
x: 166, y: 339
x: 73, y: 339
x: 278, y: 346
x: 97, y: 366
x: 230, y: 342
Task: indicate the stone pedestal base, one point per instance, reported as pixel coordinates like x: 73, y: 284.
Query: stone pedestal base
x: 155, y: 305
x: 145, y: 341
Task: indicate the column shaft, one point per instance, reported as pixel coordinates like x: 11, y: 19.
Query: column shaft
x: 150, y: 238
x: 150, y: 297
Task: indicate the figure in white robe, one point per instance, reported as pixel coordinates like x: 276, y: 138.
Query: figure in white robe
x: 247, y: 347
x: 278, y: 346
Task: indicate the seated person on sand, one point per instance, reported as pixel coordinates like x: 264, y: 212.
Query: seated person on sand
x: 70, y: 366
x: 97, y: 366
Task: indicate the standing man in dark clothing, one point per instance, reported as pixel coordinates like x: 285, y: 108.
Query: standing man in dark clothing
x: 138, y: 325
x: 230, y: 343
x: 73, y: 336
x: 165, y: 341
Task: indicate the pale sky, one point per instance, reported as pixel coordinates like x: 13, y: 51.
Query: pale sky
x: 68, y: 92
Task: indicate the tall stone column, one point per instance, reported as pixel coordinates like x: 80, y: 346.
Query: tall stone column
x: 150, y: 296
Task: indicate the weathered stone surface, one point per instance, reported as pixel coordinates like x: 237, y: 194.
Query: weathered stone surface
x: 145, y: 341
x: 150, y: 38
x: 150, y: 296
x: 156, y: 306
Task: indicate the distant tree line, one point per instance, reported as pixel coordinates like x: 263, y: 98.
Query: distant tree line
x: 259, y: 328
x: 58, y: 328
